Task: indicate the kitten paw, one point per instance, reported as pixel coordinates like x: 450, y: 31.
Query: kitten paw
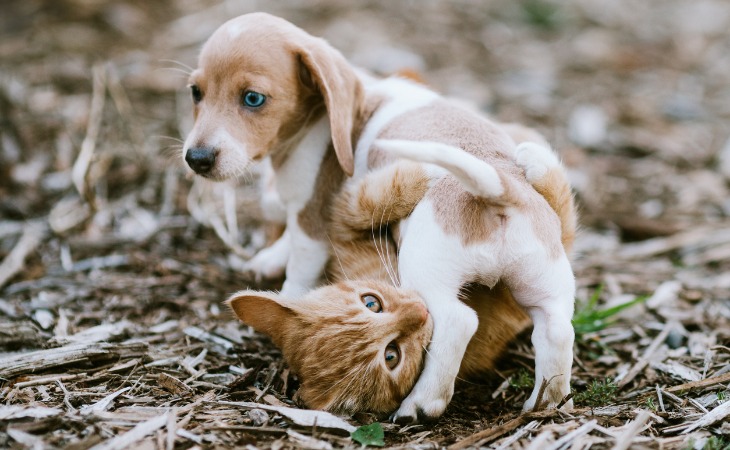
x: 535, y: 160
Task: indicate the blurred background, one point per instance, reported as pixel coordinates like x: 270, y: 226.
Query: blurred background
x: 635, y: 97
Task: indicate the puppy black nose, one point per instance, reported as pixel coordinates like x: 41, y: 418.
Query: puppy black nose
x: 201, y: 159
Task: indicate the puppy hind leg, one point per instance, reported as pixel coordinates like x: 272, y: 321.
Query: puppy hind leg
x: 547, y: 176
x: 548, y: 297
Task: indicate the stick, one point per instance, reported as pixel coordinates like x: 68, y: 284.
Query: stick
x: 32, y: 362
x: 30, y: 239
x: 80, y: 171
x: 701, y: 383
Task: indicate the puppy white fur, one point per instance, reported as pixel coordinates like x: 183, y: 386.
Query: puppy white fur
x: 482, y: 224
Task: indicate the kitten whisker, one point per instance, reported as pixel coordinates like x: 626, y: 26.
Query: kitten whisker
x: 390, y: 260
x: 337, y: 256
x: 375, y: 243
x: 386, y: 259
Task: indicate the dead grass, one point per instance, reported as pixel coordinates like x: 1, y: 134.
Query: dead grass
x: 114, y: 262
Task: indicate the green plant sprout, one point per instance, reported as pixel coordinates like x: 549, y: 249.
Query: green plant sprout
x: 589, y: 318
x: 598, y: 393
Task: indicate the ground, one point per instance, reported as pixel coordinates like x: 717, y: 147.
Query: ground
x: 115, y: 261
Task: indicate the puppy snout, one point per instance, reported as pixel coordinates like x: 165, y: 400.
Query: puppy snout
x: 201, y: 159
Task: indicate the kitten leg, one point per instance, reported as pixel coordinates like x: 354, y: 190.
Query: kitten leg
x: 432, y: 263
x: 546, y: 289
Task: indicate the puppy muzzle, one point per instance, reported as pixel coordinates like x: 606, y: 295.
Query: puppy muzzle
x: 201, y: 159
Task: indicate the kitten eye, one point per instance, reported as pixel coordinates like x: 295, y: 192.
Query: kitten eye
x: 253, y: 99
x: 196, y: 93
x: 392, y: 355
x: 372, y: 303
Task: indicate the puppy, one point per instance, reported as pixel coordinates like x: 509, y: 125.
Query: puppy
x: 266, y: 88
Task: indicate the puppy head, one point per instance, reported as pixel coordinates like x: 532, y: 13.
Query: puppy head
x: 260, y: 83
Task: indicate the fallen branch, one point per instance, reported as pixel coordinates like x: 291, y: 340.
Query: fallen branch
x: 16, y: 365
x: 724, y: 378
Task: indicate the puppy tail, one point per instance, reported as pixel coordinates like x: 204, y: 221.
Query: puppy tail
x: 477, y: 177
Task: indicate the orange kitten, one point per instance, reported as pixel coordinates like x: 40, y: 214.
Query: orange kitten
x: 358, y: 344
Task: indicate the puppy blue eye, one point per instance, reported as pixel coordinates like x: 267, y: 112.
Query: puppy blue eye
x: 253, y: 99
x: 372, y: 303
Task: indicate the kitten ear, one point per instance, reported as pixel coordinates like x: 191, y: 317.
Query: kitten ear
x: 264, y: 311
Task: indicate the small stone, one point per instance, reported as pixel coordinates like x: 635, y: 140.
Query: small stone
x: 259, y: 417
x: 675, y: 339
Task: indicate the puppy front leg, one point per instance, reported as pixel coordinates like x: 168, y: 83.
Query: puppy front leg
x: 454, y: 325
x: 270, y: 262
x: 307, y: 261
x: 432, y: 264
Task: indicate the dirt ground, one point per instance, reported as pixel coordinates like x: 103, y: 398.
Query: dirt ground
x: 115, y: 261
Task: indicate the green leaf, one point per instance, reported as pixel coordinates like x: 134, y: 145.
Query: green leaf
x: 369, y: 435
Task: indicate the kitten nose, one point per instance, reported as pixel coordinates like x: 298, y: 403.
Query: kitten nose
x: 201, y: 159
x: 417, y: 315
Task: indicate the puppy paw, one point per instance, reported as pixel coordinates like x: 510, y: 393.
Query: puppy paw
x: 425, y: 410
x: 292, y: 289
x: 536, y: 160
x: 552, y: 397
x: 268, y: 264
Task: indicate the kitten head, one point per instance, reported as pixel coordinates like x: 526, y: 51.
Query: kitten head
x: 355, y: 345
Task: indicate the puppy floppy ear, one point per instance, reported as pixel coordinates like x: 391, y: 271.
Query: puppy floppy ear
x: 336, y: 81
x: 265, y: 312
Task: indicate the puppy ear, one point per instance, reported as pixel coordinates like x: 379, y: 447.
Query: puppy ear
x: 342, y: 92
x: 265, y: 312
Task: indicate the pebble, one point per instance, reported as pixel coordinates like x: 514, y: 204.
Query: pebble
x: 259, y: 417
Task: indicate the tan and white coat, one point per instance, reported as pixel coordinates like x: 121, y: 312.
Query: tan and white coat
x: 480, y: 220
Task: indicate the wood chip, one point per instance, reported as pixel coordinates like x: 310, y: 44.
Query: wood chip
x: 136, y: 434
x: 626, y: 438
x: 13, y: 412
x: 173, y: 385
x: 217, y: 343
x: 33, y: 235
x: 719, y: 413
x: 301, y: 417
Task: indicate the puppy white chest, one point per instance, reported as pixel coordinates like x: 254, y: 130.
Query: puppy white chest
x: 296, y: 177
